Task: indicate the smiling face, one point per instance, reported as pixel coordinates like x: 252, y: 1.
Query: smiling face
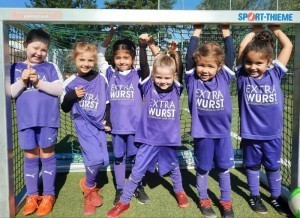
x: 36, y: 52
x: 163, y: 77
x: 123, y: 60
x: 85, y: 62
x: 255, y: 64
x: 206, y: 68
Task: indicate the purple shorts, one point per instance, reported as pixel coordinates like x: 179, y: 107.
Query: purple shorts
x: 213, y: 152
x: 93, y: 143
x: 262, y: 152
x: 148, y: 157
x: 43, y: 137
x: 124, y: 145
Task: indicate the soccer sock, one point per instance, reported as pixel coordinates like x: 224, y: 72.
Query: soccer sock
x: 91, y: 173
x: 224, y: 184
x: 253, y: 181
x: 130, y: 186
x: 119, y: 171
x: 274, y: 179
x: 176, y: 179
x: 49, y: 174
x: 31, y: 173
x: 202, y: 183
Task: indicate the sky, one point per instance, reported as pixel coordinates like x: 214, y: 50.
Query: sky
x: 181, y: 4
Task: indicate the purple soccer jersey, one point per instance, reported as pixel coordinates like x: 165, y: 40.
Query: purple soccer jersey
x: 210, y: 104
x: 160, y: 122
x: 88, y: 115
x: 125, y: 100
x: 261, y: 103
x: 93, y: 104
x: 37, y: 108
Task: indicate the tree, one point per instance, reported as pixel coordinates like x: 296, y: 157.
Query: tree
x: 139, y: 4
x: 249, y: 5
x: 66, y: 35
x: 62, y: 4
x: 289, y: 5
x: 133, y: 31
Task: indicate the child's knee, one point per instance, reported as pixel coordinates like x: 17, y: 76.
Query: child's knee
x: 47, y: 152
x: 32, y: 153
x: 253, y: 168
x: 120, y: 160
x: 202, y: 171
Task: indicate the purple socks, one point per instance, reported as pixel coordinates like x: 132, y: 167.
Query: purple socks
x: 224, y: 185
x: 176, y: 179
x: 202, y: 183
x: 91, y: 173
x: 119, y: 171
x: 49, y: 174
x: 274, y: 180
x: 253, y: 181
x: 31, y: 174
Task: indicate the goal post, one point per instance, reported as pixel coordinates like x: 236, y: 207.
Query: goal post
x: 295, y: 169
x: 7, y: 202
x: 15, y: 16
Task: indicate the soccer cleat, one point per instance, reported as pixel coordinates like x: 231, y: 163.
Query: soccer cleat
x: 257, y: 205
x: 88, y: 207
x: 278, y: 205
x: 31, y: 205
x: 91, y: 193
x: 205, y: 206
x: 182, y: 199
x: 141, y: 195
x: 226, y: 209
x: 117, y: 210
x: 46, y: 205
x: 119, y: 192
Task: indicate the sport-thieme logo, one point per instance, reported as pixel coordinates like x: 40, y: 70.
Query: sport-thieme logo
x: 266, y: 16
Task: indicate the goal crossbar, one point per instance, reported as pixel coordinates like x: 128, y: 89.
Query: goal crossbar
x: 159, y: 17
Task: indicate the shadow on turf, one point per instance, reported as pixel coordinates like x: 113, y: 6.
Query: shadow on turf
x: 237, y: 186
x: 59, y: 183
x: 154, y: 179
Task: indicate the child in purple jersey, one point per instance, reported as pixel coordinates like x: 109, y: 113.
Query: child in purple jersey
x: 207, y: 81
x: 158, y: 134
x: 86, y: 96
x: 36, y: 86
x: 260, y: 100
x: 125, y: 107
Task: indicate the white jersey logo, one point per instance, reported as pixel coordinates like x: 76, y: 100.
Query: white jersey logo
x: 92, y: 171
x: 29, y: 175
x: 47, y: 172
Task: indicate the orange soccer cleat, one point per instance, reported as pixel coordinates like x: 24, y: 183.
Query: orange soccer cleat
x: 46, y: 205
x: 31, y: 205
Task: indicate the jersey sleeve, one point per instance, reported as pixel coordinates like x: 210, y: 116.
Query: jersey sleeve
x: 145, y: 69
x: 193, y: 44
x: 146, y: 85
x: 57, y: 75
x: 12, y: 73
x: 227, y: 73
x: 229, y: 52
x: 279, y: 69
x: 102, y: 62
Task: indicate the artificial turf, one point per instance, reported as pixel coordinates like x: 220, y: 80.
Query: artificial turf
x: 162, y: 203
